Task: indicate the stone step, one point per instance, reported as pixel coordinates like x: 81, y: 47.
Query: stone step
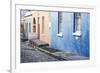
x: 38, y: 43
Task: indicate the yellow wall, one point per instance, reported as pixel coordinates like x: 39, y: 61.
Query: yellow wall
x: 44, y: 36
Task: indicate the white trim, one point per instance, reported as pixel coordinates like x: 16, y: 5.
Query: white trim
x: 77, y: 33
x: 28, y: 13
x: 60, y: 34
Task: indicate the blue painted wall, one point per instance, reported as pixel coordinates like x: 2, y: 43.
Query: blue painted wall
x: 68, y: 42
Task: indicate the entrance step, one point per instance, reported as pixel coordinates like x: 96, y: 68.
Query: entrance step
x: 38, y: 43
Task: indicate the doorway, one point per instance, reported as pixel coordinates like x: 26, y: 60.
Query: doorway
x: 38, y: 27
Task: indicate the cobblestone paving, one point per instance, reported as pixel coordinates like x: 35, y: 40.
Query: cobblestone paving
x: 29, y: 54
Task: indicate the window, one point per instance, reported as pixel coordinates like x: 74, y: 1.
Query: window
x: 77, y: 24
x: 34, y: 20
x: 42, y: 24
x: 34, y: 28
x: 59, y: 22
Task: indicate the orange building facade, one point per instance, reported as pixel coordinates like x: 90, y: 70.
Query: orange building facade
x: 37, y: 24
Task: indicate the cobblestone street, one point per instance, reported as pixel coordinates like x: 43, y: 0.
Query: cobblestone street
x: 29, y: 54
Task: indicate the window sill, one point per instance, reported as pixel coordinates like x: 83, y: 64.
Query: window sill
x: 77, y: 33
x: 60, y: 35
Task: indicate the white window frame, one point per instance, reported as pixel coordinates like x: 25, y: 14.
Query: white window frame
x: 60, y: 18
x: 77, y: 24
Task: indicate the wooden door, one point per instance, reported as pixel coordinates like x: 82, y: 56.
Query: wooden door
x: 38, y: 23
x: 44, y: 26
